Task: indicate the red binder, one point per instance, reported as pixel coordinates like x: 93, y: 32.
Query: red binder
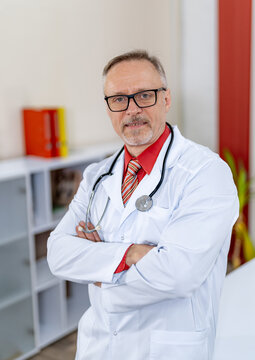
x: 37, y: 131
x: 54, y: 126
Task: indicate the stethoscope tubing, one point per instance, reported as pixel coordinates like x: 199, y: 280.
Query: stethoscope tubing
x: 164, y: 162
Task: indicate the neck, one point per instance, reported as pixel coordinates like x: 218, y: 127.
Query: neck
x: 136, y: 150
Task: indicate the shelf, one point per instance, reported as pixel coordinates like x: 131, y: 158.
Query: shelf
x: 39, y: 200
x: 30, y: 189
x: 15, y: 168
x: 12, y: 300
x: 77, y: 302
x: 44, y: 278
x: 48, y: 334
x: 64, y: 183
x: 13, y: 238
x: 45, y: 227
x: 50, y: 322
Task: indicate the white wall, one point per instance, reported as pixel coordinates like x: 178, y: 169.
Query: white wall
x: 199, y: 71
x: 53, y: 53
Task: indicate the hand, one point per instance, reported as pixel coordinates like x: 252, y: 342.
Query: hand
x: 98, y: 284
x: 136, y: 252
x: 89, y: 236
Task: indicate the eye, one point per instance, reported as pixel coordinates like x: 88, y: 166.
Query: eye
x: 146, y: 95
x: 119, y: 99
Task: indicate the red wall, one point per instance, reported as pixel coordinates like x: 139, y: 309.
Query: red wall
x: 234, y: 77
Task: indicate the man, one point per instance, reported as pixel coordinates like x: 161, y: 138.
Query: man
x: 154, y: 276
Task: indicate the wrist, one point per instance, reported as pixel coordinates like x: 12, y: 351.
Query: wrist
x: 130, y: 255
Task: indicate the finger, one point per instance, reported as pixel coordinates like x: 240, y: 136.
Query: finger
x: 89, y: 236
x: 95, y: 234
x: 79, y: 232
x: 97, y: 237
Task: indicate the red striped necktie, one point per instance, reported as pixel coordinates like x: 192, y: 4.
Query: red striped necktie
x: 130, y: 181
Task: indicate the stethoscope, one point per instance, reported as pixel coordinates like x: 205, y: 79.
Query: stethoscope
x: 143, y: 203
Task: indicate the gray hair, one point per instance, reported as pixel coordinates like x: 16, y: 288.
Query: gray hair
x: 137, y: 55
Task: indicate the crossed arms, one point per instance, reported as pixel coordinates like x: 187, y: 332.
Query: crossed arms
x: 134, y: 253
x: 189, y: 246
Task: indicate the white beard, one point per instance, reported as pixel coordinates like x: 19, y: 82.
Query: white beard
x: 139, y: 136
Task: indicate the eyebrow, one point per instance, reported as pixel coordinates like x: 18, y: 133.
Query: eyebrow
x: 124, y: 93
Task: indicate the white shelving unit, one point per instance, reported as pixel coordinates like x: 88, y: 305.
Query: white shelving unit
x: 36, y: 308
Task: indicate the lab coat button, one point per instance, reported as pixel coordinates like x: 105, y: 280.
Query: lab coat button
x: 122, y: 237
x: 115, y: 333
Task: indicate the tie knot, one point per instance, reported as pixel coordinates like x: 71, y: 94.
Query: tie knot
x: 133, y: 167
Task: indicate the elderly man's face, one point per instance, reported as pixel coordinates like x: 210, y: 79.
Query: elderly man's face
x: 138, y: 127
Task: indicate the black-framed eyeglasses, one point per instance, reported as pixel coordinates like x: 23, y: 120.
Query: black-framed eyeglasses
x: 142, y: 99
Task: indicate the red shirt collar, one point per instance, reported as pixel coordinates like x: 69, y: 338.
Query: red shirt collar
x: 149, y: 156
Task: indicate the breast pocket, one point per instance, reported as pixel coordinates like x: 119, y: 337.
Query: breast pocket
x: 152, y: 222
x: 178, y: 345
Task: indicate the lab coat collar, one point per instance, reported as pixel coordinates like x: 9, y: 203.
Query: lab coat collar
x: 176, y: 149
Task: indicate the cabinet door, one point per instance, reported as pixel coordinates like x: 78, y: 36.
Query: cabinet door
x: 13, y: 210
x: 15, y: 280
x: 16, y: 329
x: 16, y: 306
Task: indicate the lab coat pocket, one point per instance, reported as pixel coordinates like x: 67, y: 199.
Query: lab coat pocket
x: 160, y: 214
x: 152, y: 222
x: 178, y: 345
x: 85, y: 329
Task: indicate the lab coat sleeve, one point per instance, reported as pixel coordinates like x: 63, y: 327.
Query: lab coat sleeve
x: 77, y: 259
x: 189, y: 246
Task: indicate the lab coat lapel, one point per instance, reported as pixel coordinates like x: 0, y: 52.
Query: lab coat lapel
x: 112, y: 184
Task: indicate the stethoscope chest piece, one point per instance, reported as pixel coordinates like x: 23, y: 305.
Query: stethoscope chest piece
x: 144, y: 203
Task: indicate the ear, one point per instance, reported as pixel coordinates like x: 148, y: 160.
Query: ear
x: 168, y: 100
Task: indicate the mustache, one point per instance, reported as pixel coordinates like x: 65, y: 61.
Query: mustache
x: 135, y: 120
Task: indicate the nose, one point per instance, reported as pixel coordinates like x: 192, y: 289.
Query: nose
x: 133, y: 108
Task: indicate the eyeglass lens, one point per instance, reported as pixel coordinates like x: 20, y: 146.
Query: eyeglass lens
x: 142, y: 99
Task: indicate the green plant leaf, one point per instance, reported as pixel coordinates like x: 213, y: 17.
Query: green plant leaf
x: 242, y: 187
x: 231, y: 162
x: 248, y: 247
x: 244, y: 194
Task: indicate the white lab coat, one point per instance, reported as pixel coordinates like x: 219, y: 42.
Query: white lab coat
x: 165, y: 307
